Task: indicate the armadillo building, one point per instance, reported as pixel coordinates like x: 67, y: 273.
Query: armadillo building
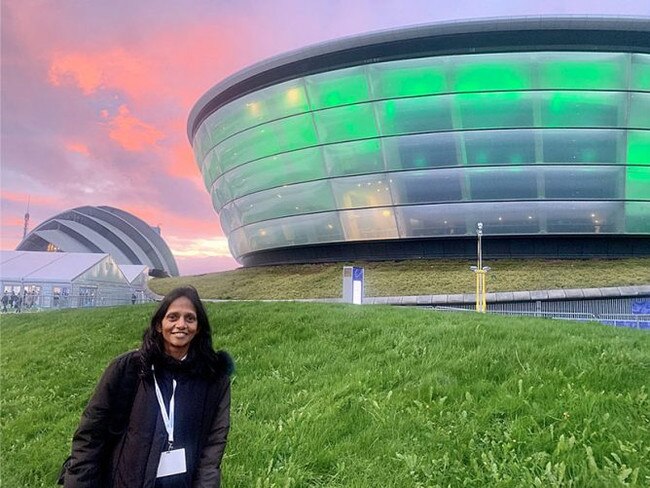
x: 103, y: 229
x: 395, y: 144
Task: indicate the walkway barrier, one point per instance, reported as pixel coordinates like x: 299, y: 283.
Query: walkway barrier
x: 637, y: 321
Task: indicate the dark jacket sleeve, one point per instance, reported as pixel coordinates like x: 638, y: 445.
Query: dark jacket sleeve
x: 208, y: 473
x: 89, y: 452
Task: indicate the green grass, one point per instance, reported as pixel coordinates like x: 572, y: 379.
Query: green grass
x: 411, y: 278
x: 344, y: 396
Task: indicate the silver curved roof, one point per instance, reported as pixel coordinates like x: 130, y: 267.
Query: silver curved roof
x: 460, y: 37
x: 103, y: 229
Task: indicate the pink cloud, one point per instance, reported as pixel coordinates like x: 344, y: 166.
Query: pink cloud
x: 77, y: 147
x: 131, y: 133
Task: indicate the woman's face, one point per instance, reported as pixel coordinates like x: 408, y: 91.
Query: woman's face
x: 178, y: 327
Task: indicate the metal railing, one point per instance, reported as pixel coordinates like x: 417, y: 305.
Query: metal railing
x: 637, y: 321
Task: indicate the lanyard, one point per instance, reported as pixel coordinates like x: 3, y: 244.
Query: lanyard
x: 168, y: 419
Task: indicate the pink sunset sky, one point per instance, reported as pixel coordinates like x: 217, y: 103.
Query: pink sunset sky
x: 96, y: 94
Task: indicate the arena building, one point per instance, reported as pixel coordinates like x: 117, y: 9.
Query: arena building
x: 396, y: 144
x: 128, y: 239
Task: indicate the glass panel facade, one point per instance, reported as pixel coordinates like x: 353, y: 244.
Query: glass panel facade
x: 286, y: 200
x: 430, y: 186
x: 547, y: 142
x: 362, y: 191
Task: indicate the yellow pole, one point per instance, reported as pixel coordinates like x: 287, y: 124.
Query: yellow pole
x: 484, y: 290
x: 478, y: 288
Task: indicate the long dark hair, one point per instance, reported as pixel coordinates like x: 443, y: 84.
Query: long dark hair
x: 205, y: 361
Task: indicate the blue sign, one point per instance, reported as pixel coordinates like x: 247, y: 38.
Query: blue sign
x: 641, y: 306
x: 357, y: 274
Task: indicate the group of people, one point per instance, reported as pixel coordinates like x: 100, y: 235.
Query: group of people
x: 160, y: 415
x: 18, y: 302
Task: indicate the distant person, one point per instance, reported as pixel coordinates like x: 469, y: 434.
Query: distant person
x: 160, y: 415
x: 5, y: 301
x: 56, y: 299
x: 12, y: 299
x: 133, y: 299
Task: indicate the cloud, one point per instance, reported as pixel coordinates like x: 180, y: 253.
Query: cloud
x: 77, y: 147
x: 131, y: 133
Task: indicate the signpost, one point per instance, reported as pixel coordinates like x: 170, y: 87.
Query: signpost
x: 353, y: 285
x: 481, y: 273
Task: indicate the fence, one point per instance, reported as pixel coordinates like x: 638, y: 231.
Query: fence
x: 638, y: 321
x: 35, y: 303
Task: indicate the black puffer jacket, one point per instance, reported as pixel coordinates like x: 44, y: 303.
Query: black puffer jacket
x: 121, y: 434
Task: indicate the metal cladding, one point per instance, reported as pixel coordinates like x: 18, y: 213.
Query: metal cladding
x: 103, y: 229
x: 395, y: 144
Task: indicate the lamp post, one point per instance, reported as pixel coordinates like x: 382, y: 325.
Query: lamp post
x: 481, y: 273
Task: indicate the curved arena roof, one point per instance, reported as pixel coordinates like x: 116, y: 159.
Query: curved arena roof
x: 103, y: 229
x: 395, y: 144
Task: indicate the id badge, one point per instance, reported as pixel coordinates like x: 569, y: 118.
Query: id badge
x: 171, y: 462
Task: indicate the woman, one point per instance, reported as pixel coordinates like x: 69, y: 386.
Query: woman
x: 160, y: 415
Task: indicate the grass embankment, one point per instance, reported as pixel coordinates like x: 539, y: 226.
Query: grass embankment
x: 343, y: 396
x: 411, y: 278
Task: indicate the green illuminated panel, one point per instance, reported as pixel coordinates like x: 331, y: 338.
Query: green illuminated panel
x: 283, y: 135
x: 586, y: 109
x: 408, y: 115
x: 299, y: 199
x: 274, y: 171
x: 353, y: 157
x: 485, y: 73
x: 582, y: 70
x: 346, y: 123
x: 411, y: 77
x: 639, y: 111
x: 640, y: 72
x: 211, y: 169
x: 262, y: 106
x: 637, y: 183
x: 636, y: 218
x: 337, y: 88
x: 494, y: 110
x: 638, y: 147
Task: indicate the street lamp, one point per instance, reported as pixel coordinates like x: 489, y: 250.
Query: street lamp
x: 481, y: 272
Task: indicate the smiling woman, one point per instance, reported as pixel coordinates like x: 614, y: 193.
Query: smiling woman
x: 160, y: 415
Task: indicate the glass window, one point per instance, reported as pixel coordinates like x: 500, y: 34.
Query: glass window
x: 221, y: 193
x: 581, y: 145
x: 283, y: 135
x: 336, y: 88
x: 502, y: 183
x: 346, y: 123
x: 409, y: 77
x: 431, y: 186
x: 583, y: 109
x: 495, y: 110
x: 636, y: 218
x: 362, y: 191
x: 639, y: 111
x: 283, y: 169
x: 583, y: 217
x: 295, y: 231
x: 421, y: 114
x: 353, y: 157
x: 492, y: 72
x: 638, y: 147
x: 582, y: 70
x: 262, y: 106
x: 211, y: 169
x: 288, y: 200
x: 637, y: 183
x: 367, y: 224
x: 579, y: 183
x: 432, y: 220
x: 229, y: 217
x: 238, y: 243
x: 640, y: 72
x: 422, y: 151
x: 500, y: 147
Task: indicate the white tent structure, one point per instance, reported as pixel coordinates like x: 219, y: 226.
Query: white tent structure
x: 137, y: 275
x: 63, y: 279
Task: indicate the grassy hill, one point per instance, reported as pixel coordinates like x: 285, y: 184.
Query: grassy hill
x: 412, y: 278
x: 344, y: 396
